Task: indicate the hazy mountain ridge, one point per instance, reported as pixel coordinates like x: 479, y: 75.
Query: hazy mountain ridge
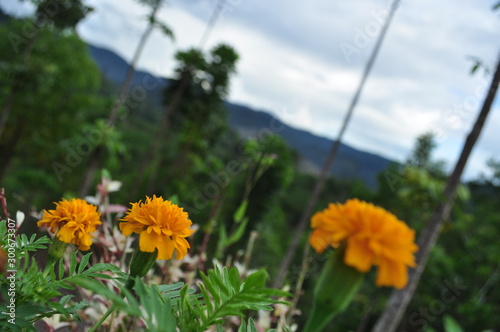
x: 349, y: 164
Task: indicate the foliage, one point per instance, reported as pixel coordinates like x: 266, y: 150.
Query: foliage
x: 59, y: 84
x: 61, y: 13
x: 63, y: 98
x: 224, y: 294
x: 35, y: 290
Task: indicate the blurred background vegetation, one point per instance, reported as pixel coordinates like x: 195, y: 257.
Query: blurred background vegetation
x: 56, y: 137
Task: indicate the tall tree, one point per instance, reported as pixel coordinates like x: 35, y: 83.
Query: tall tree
x: 172, y: 106
x: 399, y: 300
x: 59, y: 94
x: 194, y: 105
x: 93, y: 163
x: 63, y: 14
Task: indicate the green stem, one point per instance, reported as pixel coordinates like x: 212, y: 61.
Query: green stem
x: 128, y: 285
x: 103, y: 318
x: 55, y: 253
x: 318, y: 318
x: 334, y: 291
x: 140, y: 264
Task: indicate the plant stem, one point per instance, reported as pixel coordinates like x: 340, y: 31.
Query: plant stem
x: 103, y: 318
x: 300, y: 282
x: 128, y: 285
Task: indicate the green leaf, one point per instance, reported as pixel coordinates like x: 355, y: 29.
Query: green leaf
x: 72, y: 263
x: 225, y: 295
x: 99, y: 267
x: 236, y: 236
x: 451, y: 325
x: 234, y: 278
x: 61, y: 269
x: 240, y: 211
x: 256, y: 279
x: 243, y: 327
x: 251, y: 326
x: 84, y: 262
x: 475, y: 68
x: 3, y: 228
x: 65, y: 299
x: 98, y: 288
x: 165, y: 29
x: 59, y: 308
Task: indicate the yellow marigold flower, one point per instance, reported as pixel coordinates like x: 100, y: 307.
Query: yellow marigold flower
x: 161, y: 225
x: 73, y: 221
x: 372, y: 235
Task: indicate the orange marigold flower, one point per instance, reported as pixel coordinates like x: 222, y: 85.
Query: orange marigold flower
x: 73, y: 221
x: 372, y: 235
x: 161, y: 225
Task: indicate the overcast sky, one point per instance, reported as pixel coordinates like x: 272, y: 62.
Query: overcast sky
x: 302, y: 61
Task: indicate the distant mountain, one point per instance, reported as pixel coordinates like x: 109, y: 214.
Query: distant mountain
x: 115, y: 68
x: 349, y: 164
x: 3, y: 16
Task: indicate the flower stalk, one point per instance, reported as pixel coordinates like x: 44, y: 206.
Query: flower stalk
x: 334, y: 291
x: 140, y: 264
x: 55, y: 253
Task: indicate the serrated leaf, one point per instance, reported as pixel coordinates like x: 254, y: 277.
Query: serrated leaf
x: 60, y: 308
x: 234, y: 278
x: 243, y: 327
x: 83, y: 263
x: 208, y: 300
x: 65, y: 299
x: 170, y: 288
x: 256, y: 279
x: 207, y: 283
x: 251, y: 326
x: 222, y: 284
x: 219, y: 283
x: 98, y: 288
x: 100, y: 267
x: 77, y: 317
x: 72, y: 263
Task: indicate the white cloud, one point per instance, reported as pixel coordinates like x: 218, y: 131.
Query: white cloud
x: 292, y: 64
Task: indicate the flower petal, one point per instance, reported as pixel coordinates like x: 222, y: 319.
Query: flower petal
x: 358, y: 254
x: 165, y: 248
x: 182, y: 246
x: 320, y: 240
x: 148, y: 241
x: 166, y: 226
x: 392, y: 274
